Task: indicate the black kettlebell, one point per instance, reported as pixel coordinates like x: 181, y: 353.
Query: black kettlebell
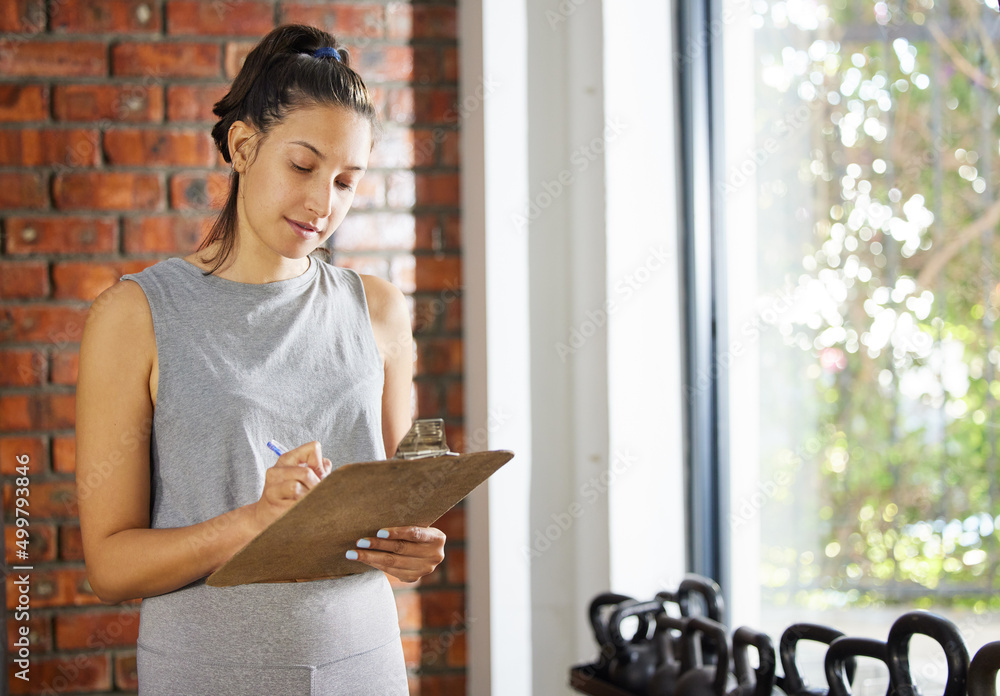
x: 674, y: 659
x: 636, y: 658
x: 601, y: 608
x: 753, y: 682
x: 704, y: 679
x: 845, y: 648
x: 698, y: 585
x: 792, y: 683
x: 940, y: 629
x: 983, y: 670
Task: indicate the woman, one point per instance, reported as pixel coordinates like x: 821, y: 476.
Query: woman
x: 190, y: 367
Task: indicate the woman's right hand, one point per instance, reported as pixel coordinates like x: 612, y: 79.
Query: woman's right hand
x: 295, y: 473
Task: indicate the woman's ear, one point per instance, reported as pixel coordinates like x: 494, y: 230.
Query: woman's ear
x: 239, y: 135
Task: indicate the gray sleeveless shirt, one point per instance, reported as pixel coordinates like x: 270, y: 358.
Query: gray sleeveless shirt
x: 241, y: 364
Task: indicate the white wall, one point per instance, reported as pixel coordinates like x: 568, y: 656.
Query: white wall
x: 572, y: 320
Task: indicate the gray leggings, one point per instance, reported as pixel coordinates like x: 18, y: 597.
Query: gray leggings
x: 378, y: 672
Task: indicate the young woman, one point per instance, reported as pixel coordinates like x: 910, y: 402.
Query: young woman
x: 190, y: 367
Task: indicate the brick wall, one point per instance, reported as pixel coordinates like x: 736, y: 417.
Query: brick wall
x: 106, y: 166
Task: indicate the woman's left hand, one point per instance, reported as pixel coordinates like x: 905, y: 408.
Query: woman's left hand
x: 406, y: 553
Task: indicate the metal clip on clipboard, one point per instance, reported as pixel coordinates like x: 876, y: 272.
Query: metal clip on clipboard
x: 425, y: 439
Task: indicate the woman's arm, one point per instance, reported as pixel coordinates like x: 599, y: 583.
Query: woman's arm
x: 125, y: 558
x: 390, y: 319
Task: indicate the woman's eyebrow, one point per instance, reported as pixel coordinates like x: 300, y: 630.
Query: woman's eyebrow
x: 319, y: 154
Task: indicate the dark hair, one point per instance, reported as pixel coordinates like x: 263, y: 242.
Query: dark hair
x: 279, y: 75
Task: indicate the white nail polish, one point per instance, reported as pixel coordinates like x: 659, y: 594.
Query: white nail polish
x: 383, y: 534
x: 352, y: 555
x: 364, y: 544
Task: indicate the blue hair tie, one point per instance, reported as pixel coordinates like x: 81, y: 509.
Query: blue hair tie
x: 327, y: 51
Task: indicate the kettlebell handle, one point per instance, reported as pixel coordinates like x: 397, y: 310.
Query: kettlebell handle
x: 597, y: 624
x: 792, y: 682
x: 844, y: 648
x: 763, y: 681
x: 641, y: 609
x: 717, y: 636
x: 940, y: 629
x: 708, y: 589
x: 983, y: 670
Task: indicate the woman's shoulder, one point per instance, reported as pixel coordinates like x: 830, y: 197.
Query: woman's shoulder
x: 386, y: 302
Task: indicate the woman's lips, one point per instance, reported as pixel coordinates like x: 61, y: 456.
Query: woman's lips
x: 302, y: 230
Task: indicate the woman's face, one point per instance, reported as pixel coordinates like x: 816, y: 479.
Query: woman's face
x: 297, y: 189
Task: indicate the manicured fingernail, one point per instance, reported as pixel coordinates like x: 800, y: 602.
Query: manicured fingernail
x: 352, y: 555
x: 364, y: 544
x: 383, y: 534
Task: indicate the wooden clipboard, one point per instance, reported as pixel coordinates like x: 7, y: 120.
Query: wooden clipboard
x: 356, y: 500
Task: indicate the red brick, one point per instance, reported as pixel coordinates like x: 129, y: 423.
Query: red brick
x: 232, y: 18
x: 442, y: 608
x: 451, y: 153
x: 375, y: 231
x: 48, y: 499
x: 455, y: 435
x: 428, y: 399
x: 438, y: 356
x: 426, y: 144
x: 45, y: 411
x: 406, y: 21
x: 408, y: 609
x: 436, y: 106
x: 193, y: 102
x: 104, y: 16
x: 41, y: 544
x: 24, y: 103
x: 22, y: 16
x: 39, y: 633
x: 452, y: 523
x: 458, y: 654
x: 411, y: 651
x: 31, y: 147
x: 385, y: 63
x: 60, y: 235
x: 166, y: 59
x: 13, y: 447
x: 54, y: 59
x: 456, y: 565
x: 439, y: 272
x: 22, y: 368
x: 165, y: 233
x: 65, y: 366
x: 352, y: 20
x: 394, y: 104
x: 456, y: 399
x: 126, y: 674
x: 426, y: 65
x: 453, y: 320
x: 442, y: 684
x: 22, y: 190
x: 97, y: 630
x: 236, y: 54
x: 370, y: 192
x: 42, y: 323
x: 85, y: 281
x: 78, y: 674
x: 155, y: 147
x: 107, y: 191
x: 70, y: 543
x: 438, y: 190
x: 435, y: 234
x: 24, y: 279
x: 198, y: 190
x: 64, y: 454
x: 438, y: 647
x: 449, y: 64
x: 129, y: 103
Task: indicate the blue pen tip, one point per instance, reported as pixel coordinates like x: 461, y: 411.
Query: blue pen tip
x: 275, y: 447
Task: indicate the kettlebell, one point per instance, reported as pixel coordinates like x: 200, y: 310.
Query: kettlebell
x: 635, y: 659
x: 600, y: 611
x: 711, y: 595
x: 674, y: 659
x: 792, y: 683
x: 704, y: 679
x: 940, y: 629
x: 845, y: 648
x: 753, y: 682
x: 983, y: 670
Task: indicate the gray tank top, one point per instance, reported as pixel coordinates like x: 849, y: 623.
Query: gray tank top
x: 240, y: 364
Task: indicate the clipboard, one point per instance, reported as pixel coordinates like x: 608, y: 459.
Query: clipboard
x: 309, y: 541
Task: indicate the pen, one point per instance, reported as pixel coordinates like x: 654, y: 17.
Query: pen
x: 276, y: 447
